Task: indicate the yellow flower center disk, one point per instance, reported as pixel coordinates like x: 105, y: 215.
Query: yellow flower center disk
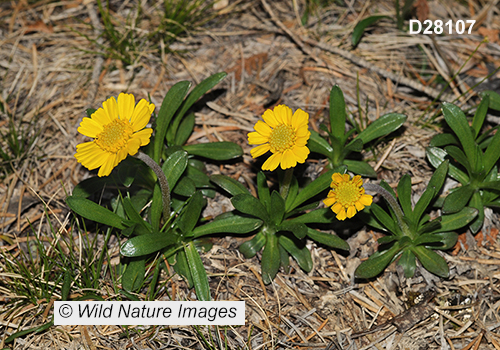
x: 282, y: 138
x: 115, y: 135
x: 347, y: 193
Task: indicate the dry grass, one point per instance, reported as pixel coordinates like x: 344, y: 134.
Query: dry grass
x: 50, y: 76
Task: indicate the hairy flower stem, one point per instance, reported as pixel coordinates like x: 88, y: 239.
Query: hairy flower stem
x: 162, y: 179
x: 287, y: 180
x: 392, y: 202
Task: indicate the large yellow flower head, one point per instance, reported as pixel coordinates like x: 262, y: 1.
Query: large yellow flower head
x: 117, y: 129
x: 282, y: 133
x: 347, y: 196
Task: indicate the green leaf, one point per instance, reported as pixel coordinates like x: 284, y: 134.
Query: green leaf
x: 248, y: 204
x: 437, y: 155
x: 89, y: 186
x: 299, y: 230
x: 185, y: 187
x: 355, y: 145
x: 457, y: 199
x: 360, y: 168
x: 404, y: 196
x: 198, y: 91
x: 476, y: 202
x: 215, y: 150
x: 492, y: 153
x: 133, y: 276
x: 318, y: 144
x: 422, y: 205
x: 376, y: 263
x: 277, y: 211
x: 480, y: 115
x: 270, y: 263
x: 199, y: 177
x: 174, y: 167
x: 92, y: 211
x: 228, y: 184
x: 459, y: 156
x: 134, y: 216
x: 493, y: 185
x: 385, y: 219
x: 231, y: 224
x: 447, y: 240
x: 198, y: 272
x: 382, y: 126
x: 327, y: 239
x: 301, y: 255
x: 455, y: 221
x: 337, y: 112
x: 182, y: 268
x: 190, y: 215
x: 458, y: 123
x: 317, y: 186
x: 494, y: 99
x: 169, y: 106
x: 359, y: 30
x: 185, y: 130
x: 439, y: 176
x: 431, y: 261
x: 251, y: 247
x: 263, y: 190
x: 147, y: 244
x: 317, y: 216
x: 408, y: 262
x: 156, y: 209
x: 444, y: 139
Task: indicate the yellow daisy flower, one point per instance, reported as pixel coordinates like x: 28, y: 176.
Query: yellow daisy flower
x: 282, y: 133
x: 117, y: 129
x: 347, y: 196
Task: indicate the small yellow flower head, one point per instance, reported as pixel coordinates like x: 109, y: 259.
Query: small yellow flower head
x: 282, y: 133
x: 347, y: 196
x: 117, y: 129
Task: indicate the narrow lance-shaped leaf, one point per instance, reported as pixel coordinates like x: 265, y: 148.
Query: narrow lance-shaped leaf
x: 169, y: 106
x: 382, y: 126
x: 457, y: 121
x: 431, y: 261
x: 337, y: 112
x: 301, y: 255
x: 198, y: 91
x: 358, y: 31
x: 92, y: 211
x: 228, y: 184
x: 232, y: 224
x: 376, y: 263
x: 270, y: 263
x: 147, y: 244
x: 311, y: 190
x: 198, y: 272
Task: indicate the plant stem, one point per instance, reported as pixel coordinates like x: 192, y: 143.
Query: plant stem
x: 393, y: 203
x: 162, y: 179
x: 287, y: 180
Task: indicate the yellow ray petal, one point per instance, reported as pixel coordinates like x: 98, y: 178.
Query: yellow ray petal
x: 270, y: 118
x: 90, y: 127
x: 254, y: 138
x: 126, y: 103
x: 259, y: 150
x: 263, y: 129
x: 272, y: 162
x: 111, y: 108
x: 141, y: 116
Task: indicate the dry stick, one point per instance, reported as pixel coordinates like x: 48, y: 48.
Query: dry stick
x: 292, y: 36
x: 94, y: 82
x: 380, y: 71
x: 299, y: 41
